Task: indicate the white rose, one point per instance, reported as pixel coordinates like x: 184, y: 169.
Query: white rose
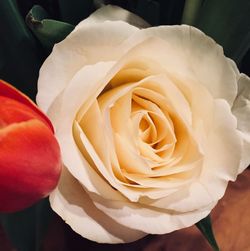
x: 152, y: 125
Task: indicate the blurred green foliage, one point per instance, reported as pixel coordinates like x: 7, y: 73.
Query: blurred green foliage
x: 23, y: 48
x: 228, y: 22
x: 47, y: 31
x: 20, y: 56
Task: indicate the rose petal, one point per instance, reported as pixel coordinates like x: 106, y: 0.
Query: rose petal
x: 225, y: 139
x: 73, y: 204
x: 158, y: 221
x: 187, y: 54
x: 62, y: 113
x: 241, y: 109
x: 91, y: 43
x: 217, y: 169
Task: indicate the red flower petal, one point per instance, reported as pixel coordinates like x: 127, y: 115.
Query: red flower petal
x: 8, y: 91
x: 30, y: 164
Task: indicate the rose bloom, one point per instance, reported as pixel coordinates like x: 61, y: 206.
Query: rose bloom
x: 152, y: 125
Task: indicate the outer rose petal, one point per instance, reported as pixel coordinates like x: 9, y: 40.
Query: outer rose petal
x: 73, y: 204
x: 80, y: 51
x: 92, y: 43
x: 62, y: 115
x: 241, y: 109
x: 149, y: 219
x: 25, y: 175
x: 187, y: 54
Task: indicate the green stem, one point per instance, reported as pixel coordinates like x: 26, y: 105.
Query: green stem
x: 190, y: 11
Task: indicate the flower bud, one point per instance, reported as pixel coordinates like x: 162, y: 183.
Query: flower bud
x: 30, y: 163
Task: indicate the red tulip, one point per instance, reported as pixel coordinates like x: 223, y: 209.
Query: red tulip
x: 30, y: 163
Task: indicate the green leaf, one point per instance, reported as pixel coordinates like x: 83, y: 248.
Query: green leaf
x: 47, y: 31
x: 20, y: 55
x: 74, y: 11
x: 228, y: 22
x: 205, y: 226
x: 26, y: 229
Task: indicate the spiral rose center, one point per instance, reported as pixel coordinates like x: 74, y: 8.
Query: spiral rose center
x: 137, y: 131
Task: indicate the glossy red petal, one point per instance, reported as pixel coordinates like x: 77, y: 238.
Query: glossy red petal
x: 30, y: 164
x: 8, y: 91
x: 12, y: 111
